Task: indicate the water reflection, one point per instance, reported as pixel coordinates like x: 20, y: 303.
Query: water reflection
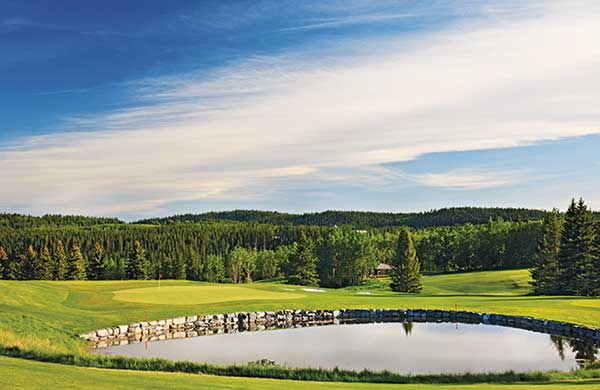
x: 585, y: 351
x: 401, y: 347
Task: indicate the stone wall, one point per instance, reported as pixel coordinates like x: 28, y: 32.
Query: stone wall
x: 201, y: 325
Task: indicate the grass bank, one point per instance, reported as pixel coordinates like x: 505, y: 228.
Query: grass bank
x: 41, y: 320
x: 19, y: 374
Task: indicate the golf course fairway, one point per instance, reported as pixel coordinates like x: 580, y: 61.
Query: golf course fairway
x: 46, y: 317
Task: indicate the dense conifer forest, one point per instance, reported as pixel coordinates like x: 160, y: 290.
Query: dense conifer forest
x: 363, y: 219
x: 242, y: 246
x: 18, y: 221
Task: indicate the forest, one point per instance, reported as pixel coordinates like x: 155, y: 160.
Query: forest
x: 363, y: 219
x: 229, y: 251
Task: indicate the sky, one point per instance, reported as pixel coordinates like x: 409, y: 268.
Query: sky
x: 151, y: 108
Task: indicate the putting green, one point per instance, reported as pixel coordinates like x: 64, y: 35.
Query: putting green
x: 192, y: 295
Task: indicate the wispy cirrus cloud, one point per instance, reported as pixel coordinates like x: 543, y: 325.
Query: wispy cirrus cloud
x: 16, y: 24
x: 469, y: 179
x: 350, y: 21
x: 333, y: 111
x: 63, y: 92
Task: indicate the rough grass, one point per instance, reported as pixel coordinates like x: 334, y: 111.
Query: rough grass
x: 19, y: 374
x: 44, y: 318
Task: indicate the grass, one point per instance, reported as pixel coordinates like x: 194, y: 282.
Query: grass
x: 19, y: 374
x: 43, y: 318
x: 198, y: 295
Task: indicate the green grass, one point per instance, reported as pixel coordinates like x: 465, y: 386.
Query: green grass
x: 45, y: 317
x: 198, y: 295
x: 19, y: 374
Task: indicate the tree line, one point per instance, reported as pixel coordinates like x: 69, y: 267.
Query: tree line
x: 363, y: 219
x: 568, y: 260
x: 222, y: 251
x: 19, y: 221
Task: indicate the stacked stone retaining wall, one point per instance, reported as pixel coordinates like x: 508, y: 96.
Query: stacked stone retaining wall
x: 201, y: 325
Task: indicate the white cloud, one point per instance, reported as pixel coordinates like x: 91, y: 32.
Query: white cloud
x: 350, y: 21
x: 234, y: 133
x: 468, y: 179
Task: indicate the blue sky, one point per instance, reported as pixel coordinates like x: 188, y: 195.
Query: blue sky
x: 151, y: 108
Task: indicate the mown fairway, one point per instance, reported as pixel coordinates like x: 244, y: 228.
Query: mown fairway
x: 198, y: 295
x: 47, y: 316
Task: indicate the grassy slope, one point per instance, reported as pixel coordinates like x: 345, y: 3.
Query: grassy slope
x: 48, y: 315
x: 18, y: 374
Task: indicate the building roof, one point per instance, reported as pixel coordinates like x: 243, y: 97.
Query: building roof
x: 383, y: 266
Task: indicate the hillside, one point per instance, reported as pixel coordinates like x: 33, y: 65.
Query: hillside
x: 364, y: 219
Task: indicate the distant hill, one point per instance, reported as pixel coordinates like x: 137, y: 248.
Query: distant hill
x: 19, y: 221
x: 441, y: 217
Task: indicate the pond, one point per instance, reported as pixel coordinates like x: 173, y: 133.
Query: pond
x: 410, y: 348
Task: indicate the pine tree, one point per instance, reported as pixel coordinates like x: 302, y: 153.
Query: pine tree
x: 194, y: 266
x: 406, y: 268
x: 545, y: 271
x: 577, y: 261
x: 4, y: 266
x: 303, y: 263
x: 97, y: 263
x: 26, y: 264
x: 76, y: 269
x: 137, y: 267
x: 596, y: 276
x: 180, y: 269
x: 44, y: 265
x: 11, y: 268
x: 60, y: 262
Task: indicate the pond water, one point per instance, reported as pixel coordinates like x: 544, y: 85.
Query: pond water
x: 416, y: 348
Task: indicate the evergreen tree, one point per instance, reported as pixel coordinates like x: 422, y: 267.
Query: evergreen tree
x: 303, y: 263
x: 194, y: 266
x: 27, y: 262
x: 60, y: 262
x: 137, y: 267
x: 596, y: 276
x: 180, y: 269
x: 115, y: 269
x: 545, y: 271
x: 44, y: 265
x: 4, y: 266
x: 12, y: 269
x: 406, y: 268
x: 577, y: 261
x: 97, y: 263
x: 76, y: 270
